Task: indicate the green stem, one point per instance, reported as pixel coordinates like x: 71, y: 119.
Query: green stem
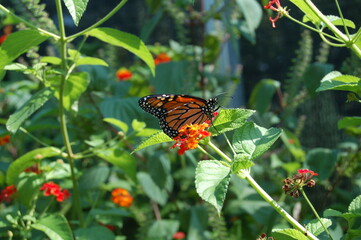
x: 278, y: 208
x: 205, y: 152
x: 101, y: 21
x: 342, y: 18
x: 315, y: 212
x: 229, y: 143
x: 219, y: 152
x: 34, y: 138
x: 63, y: 126
x: 28, y: 24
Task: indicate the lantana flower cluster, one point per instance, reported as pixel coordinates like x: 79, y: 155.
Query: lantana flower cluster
x: 302, y: 178
x: 54, y: 189
x: 122, y: 197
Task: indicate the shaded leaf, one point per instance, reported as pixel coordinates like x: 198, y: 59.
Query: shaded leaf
x: 94, y: 233
x: 152, y: 190
x: 76, y: 9
x: 163, y: 229
x: 33, y: 104
x: 212, y: 180
x: 262, y: 94
x: 316, y: 228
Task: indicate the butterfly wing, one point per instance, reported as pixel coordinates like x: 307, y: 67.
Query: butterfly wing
x: 175, y: 111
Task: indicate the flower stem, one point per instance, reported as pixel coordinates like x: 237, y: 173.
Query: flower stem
x: 101, y: 21
x: 315, y: 212
x: 219, y: 152
x: 63, y: 126
x: 278, y: 208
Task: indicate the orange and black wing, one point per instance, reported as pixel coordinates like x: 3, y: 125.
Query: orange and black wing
x: 175, y: 111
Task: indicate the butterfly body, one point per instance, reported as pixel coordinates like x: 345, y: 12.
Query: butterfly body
x: 175, y: 111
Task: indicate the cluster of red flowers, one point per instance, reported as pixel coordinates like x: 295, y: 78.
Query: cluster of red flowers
x: 275, y: 5
x: 179, y: 235
x: 122, y: 197
x: 4, y: 140
x: 162, y: 58
x: 123, y: 74
x: 189, y: 136
x: 8, y: 193
x: 35, y: 169
x: 54, y: 189
x: 7, y: 31
x: 303, y: 178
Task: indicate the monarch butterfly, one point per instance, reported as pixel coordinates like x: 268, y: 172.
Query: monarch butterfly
x: 175, y: 111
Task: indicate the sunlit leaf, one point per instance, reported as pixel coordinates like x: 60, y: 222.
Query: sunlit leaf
x: 76, y: 9
x: 55, y: 226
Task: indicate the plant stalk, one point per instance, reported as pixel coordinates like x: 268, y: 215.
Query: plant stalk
x: 63, y: 126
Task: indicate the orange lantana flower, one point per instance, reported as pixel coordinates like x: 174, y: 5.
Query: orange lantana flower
x: 189, y: 136
x: 162, y: 58
x: 122, y: 197
x: 4, y: 139
x: 123, y: 74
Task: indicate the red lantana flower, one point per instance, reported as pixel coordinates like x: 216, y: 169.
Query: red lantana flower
x: 302, y: 178
x: 7, y: 30
x: 122, y: 197
x: 8, y: 193
x: 275, y: 5
x: 54, y: 189
x: 162, y: 58
x: 189, y: 136
x: 124, y: 74
x: 4, y: 139
x: 179, y: 235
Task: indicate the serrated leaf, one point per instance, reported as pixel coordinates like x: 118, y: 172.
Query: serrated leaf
x: 212, y: 180
x: 254, y: 140
x: 355, y: 206
x: 288, y: 234
x: 125, y: 40
x: 55, y: 226
x: 121, y: 159
x: 316, y: 228
x: 336, y: 81
x: 27, y: 160
x: 76, y: 9
x: 18, y: 43
x: 229, y: 119
x: 33, y: 104
x: 159, y: 137
x: 152, y: 190
x: 120, y: 124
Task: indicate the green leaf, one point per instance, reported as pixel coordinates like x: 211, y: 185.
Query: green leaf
x: 94, y: 233
x: 18, y: 43
x: 254, y: 140
x: 151, y: 189
x: 91, y: 61
x: 137, y: 125
x: 349, y: 122
x: 74, y: 86
x: 28, y: 188
x: 229, y: 119
x: 355, y: 206
x: 316, y: 228
x: 336, y: 81
x: 288, y: 234
x: 16, y: 67
x: 313, y: 75
x: 93, y: 178
x: 252, y: 12
x: 120, y: 124
x: 33, y: 104
x: 212, y: 180
x: 262, y: 94
x: 241, y: 161
x: 51, y: 60
x: 309, y: 14
x: 331, y: 213
x: 27, y: 160
x: 337, y: 21
x: 76, y: 9
x: 159, y: 137
x: 55, y: 226
x: 125, y: 40
x: 121, y: 159
x: 162, y: 229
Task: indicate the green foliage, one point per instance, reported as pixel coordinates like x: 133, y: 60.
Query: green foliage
x: 76, y: 9
x: 55, y: 227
